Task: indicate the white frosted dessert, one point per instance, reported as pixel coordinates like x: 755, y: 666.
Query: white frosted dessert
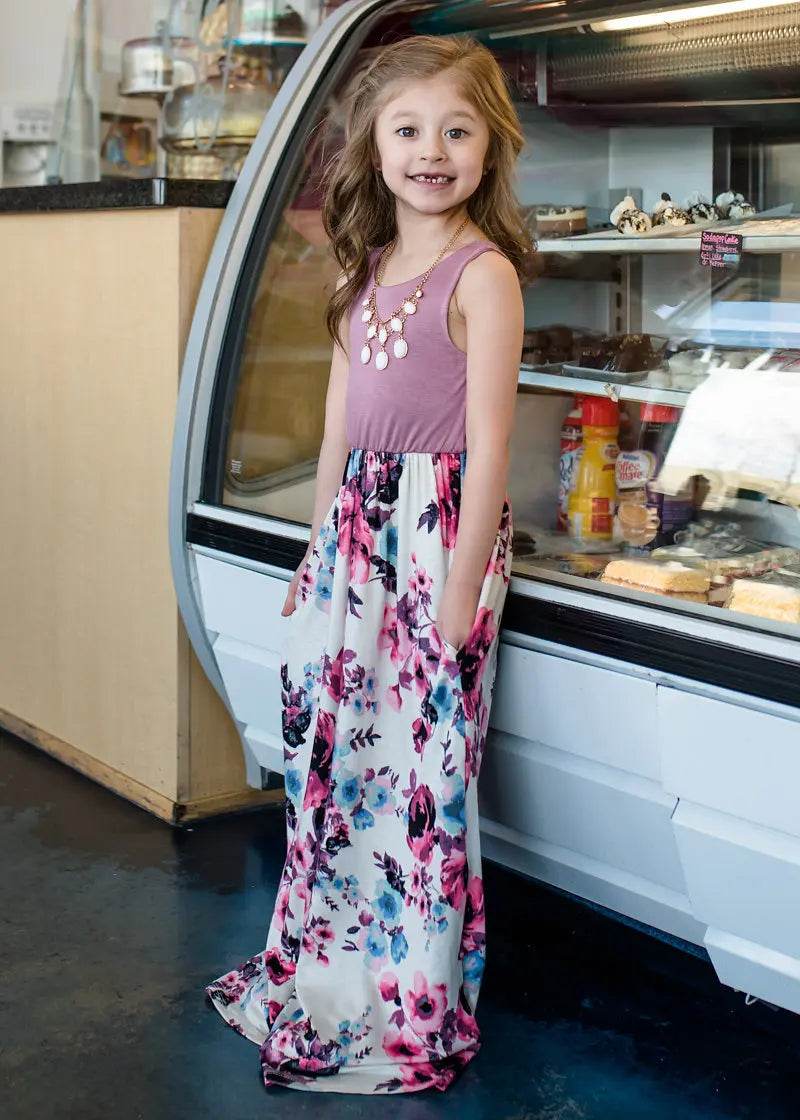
x: 629, y: 219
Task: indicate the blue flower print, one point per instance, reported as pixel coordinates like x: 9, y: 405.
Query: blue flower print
x: 363, y: 819
x: 378, y: 794
x: 443, y: 700
x: 324, y: 587
x: 376, y: 941
x: 370, y: 684
x: 391, y: 544
x: 438, y: 914
x: 399, y: 947
x: 357, y: 704
x: 293, y: 781
x: 472, y: 966
x: 452, y: 810
x: 328, y: 550
x: 347, y: 789
x: 387, y: 903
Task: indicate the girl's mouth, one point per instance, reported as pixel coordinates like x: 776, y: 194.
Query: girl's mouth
x: 432, y: 180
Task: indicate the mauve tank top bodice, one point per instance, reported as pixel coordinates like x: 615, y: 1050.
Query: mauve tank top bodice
x: 418, y: 403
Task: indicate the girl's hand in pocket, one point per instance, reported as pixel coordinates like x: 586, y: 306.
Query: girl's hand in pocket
x: 290, y: 604
x: 457, y: 611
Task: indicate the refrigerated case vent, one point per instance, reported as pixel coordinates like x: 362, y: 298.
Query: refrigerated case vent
x: 747, y: 56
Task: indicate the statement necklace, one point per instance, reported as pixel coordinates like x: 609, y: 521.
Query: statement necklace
x: 382, y: 328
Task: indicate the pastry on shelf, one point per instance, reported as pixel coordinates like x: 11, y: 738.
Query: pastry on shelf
x: 545, y: 345
x: 624, y: 353
x: 776, y: 598
x: 556, y: 221
x: 700, y: 210
x: 667, y: 213
x: 734, y: 207
x: 669, y: 578
x: 629, y: 219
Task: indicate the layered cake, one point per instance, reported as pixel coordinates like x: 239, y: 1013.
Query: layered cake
x: 669, y: 578
x: 556, y: 221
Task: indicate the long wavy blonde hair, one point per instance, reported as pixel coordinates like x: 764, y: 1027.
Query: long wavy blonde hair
x: 359, y: 209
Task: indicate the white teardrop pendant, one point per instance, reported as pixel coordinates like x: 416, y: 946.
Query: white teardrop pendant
x: 382, y: 334
x: 381, y: 359
x: 410, y: 308
x: 366, y: 354
x: 396, y: 324
x: 366, y: 316
x: 400, y: 347
x: 372, y: 331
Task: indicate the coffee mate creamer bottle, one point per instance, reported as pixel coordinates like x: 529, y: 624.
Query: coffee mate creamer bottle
x: 645, y: 517
x: 592, y: 501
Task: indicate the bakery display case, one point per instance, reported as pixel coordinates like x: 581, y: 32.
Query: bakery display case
x: 646, y: 726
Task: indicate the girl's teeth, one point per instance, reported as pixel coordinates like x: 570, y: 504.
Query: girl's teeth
x: 432, y: 178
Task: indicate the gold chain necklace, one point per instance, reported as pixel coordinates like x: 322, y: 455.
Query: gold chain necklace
x: 382, y: 328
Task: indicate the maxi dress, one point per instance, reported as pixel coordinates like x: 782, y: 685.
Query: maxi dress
x: 373, y: 963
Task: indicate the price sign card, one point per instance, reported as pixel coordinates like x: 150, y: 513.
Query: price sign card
x: 719, y: 249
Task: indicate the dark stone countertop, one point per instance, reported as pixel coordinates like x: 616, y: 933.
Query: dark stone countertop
x: 116, y: 194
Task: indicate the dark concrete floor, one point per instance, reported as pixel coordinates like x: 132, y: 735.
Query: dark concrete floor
x: 112, y: 923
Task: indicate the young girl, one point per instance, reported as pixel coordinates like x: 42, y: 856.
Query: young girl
x: 370, y: 977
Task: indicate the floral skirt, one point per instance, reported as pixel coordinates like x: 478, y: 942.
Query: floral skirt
x: 370, y: 976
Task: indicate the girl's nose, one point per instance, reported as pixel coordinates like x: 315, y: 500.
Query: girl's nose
x: 433, y: 150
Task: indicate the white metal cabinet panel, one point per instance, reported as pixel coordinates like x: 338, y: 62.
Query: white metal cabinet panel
x: 615, y: 817
x: 252, y: 679
x: 588, y: 878
x: 241, y: 603
x: 583, y: 709
x: 745, y: 763
x: 266, y: 748
x: 741, y: 878
x: 751, y: 968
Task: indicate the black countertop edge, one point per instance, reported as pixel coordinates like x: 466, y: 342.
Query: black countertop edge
x: 116, y: 194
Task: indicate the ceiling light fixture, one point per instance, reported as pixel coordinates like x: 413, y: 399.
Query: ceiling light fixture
x: 682, y: 15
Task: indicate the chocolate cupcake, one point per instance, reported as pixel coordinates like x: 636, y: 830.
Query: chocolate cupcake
x: 629, y: 219
x: 666, y: 213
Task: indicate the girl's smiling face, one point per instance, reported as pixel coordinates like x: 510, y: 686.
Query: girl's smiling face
x: 432, y: 144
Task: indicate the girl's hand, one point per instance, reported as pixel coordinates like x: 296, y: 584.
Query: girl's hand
x: 290, y: 605
x: 457, y: 611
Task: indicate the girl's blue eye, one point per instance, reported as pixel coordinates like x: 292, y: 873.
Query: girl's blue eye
x: 405, y: 131
x: 461, y: 132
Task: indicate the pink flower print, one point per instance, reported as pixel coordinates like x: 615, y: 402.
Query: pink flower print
x: 317, y: 936
x: 393, y: 697
x: 454, y: 878
x: 389, y: 988
x: 273, y: 1011
x: 279, y: 969
x: 466, y: 1027
x: 425, y: 1005
x: 447, y: 473
x: 474, y: 933
x: 419, y: 583
x: 401, y: 1045
x: 419, y: 669
x: 422, y: 733
x: 421, y: 818
x: 321, y: 755
x: 355, y: 536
